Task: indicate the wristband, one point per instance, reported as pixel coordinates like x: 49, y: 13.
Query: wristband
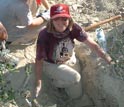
x: 45, y: 15
x: 39, y: 15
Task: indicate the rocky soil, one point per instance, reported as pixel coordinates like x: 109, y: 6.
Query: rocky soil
x: 103, y: 85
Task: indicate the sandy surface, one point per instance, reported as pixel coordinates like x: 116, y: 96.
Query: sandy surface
x: 22, y: 81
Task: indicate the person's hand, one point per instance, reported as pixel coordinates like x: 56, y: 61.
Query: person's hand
x: 112, y: 62
x: 38, y: 88
x: 109, y: 59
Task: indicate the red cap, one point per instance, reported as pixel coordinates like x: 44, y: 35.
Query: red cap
x: 59, y: 10
x: 38, y: 2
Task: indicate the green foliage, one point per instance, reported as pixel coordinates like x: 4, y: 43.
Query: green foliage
x: 6, y: 92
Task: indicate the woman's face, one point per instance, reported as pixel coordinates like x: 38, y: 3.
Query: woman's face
x: 61, y: 23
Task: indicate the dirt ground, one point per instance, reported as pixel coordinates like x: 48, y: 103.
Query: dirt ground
x: 102, y: 84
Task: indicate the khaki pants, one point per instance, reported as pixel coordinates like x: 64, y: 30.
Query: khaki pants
x: 65, y: 76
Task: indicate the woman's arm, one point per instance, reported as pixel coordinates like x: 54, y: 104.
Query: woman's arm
x: 38, y: 73
x: 95, y: 47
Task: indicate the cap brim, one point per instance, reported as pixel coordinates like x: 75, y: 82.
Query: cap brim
x: 60, y: 15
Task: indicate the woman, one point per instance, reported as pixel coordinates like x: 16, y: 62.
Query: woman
x: 55, y: 51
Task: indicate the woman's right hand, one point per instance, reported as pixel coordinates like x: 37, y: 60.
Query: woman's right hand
x: 38, y: 88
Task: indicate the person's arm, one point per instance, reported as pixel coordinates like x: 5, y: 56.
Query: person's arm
x: 24, y: 16
x: 38, y: 72
x: 94, y: 46
x: 36, y: 22
x: 46, y: 4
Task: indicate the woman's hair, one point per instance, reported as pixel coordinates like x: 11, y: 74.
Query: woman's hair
x: 51, y: 28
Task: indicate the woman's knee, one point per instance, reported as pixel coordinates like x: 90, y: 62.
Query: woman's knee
x: 70, y: 75
x: 77, y: 77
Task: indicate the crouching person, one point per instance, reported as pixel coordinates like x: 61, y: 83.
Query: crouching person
x: 55, y: 51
